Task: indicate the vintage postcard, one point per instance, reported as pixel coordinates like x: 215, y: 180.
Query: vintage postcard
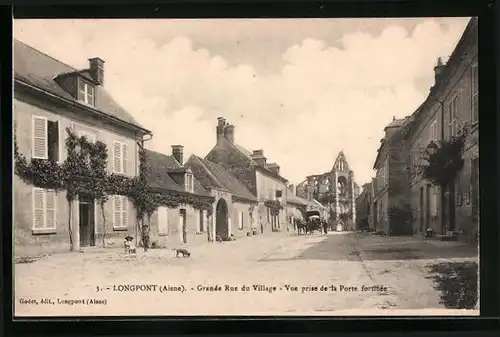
x: 246, y: 167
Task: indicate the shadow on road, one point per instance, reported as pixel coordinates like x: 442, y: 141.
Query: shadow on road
x: 356, y: 246
x: 457, y: 282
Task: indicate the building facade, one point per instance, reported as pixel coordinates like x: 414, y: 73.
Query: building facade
x: 184, y: 224
x: 452, y: 104
x: 252, y: 170
x: 335, y: 189
x: 296, y: 207
x: 49, y: 97
x: 391, y: 198
x: 234, y: 206
x: 364, y: 208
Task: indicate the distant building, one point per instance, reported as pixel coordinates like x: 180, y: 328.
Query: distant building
x: 364, y: 208
x: 252, y: 170
x: 391, y: 198
x: 336, y: 190
x: 296, y: 206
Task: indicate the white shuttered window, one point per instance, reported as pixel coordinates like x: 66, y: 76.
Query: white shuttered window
x: 44, y: 209
x: 163, y: 220
x: 120, y: 211
x: 40, y: 135
x: 120, y: 157
x: 240, y: 224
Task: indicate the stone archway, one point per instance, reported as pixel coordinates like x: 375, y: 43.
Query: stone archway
x: 221, y: 219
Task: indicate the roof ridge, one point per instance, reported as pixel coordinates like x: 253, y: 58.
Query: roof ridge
x: 45, y: 54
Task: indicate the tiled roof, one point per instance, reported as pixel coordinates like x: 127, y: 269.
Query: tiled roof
x: 248, y: 154
x: 158, y: 171
x: 39, y: 70
x: 214, y: 175
x: 160, y: 165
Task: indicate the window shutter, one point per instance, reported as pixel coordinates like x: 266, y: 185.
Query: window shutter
x: 81, y: 90
x: 38, y: 208
x: 116, y: 157
x: 198, y: 220
x: 124, y: 211
x: 40, y: 149
x: 50, y: 209
x: 117, y: 211
x: 124, y: 158
x: 163, y: 220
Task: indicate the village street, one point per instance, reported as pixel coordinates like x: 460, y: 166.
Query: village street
x: 337, y: 261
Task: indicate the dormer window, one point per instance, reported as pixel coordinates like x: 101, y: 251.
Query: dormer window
x: 86, y: 92
x: 189, y: 183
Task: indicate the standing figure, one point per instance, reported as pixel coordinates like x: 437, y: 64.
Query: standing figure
x: 145, y: 237
x: 325, y: 227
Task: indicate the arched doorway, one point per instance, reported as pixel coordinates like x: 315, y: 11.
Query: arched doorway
x: 221, y: 223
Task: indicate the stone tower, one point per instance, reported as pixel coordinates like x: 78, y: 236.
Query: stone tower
x: 336, y: 189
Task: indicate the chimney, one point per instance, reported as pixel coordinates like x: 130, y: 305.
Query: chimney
x: 221, y: 122
x: 177, y: 153
x: 97, y: 69
x: 438, y: 69
x: 274, y: 168
x: 229, y: 133
x: 258, y: 157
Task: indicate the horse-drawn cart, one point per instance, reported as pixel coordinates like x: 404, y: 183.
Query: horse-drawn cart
x: 312, y: 223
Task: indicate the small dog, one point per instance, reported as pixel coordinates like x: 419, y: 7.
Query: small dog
x: 182, y: 251
x: 129, y: 245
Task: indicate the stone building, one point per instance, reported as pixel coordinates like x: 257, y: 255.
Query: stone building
x: 50, y: 96
x: 364, y: 208
x: 296, y: 206
x: 234, y: 204
x: 451, y: 104
x: 183, y: 224
x: 335, y: 189
x: 391, y: 199
x: 263, y: 179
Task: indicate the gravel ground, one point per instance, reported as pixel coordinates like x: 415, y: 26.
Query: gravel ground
x: 319, y: 271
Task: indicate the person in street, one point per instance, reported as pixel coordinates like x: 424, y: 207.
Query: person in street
x: 145, y: 237
x: 325, y: 227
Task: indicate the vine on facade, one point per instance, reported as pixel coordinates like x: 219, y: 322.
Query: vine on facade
x: 274, y: 205
x: 444, y: 162
x: 84, y: 173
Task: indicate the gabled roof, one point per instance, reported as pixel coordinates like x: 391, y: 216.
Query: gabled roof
x: 212, y: 175
x: 160, y: 168
x: 341, y: 156
x: 248, y: 155
x: 37, y: 69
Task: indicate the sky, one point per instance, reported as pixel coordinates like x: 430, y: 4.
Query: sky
x: 300, y: 89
